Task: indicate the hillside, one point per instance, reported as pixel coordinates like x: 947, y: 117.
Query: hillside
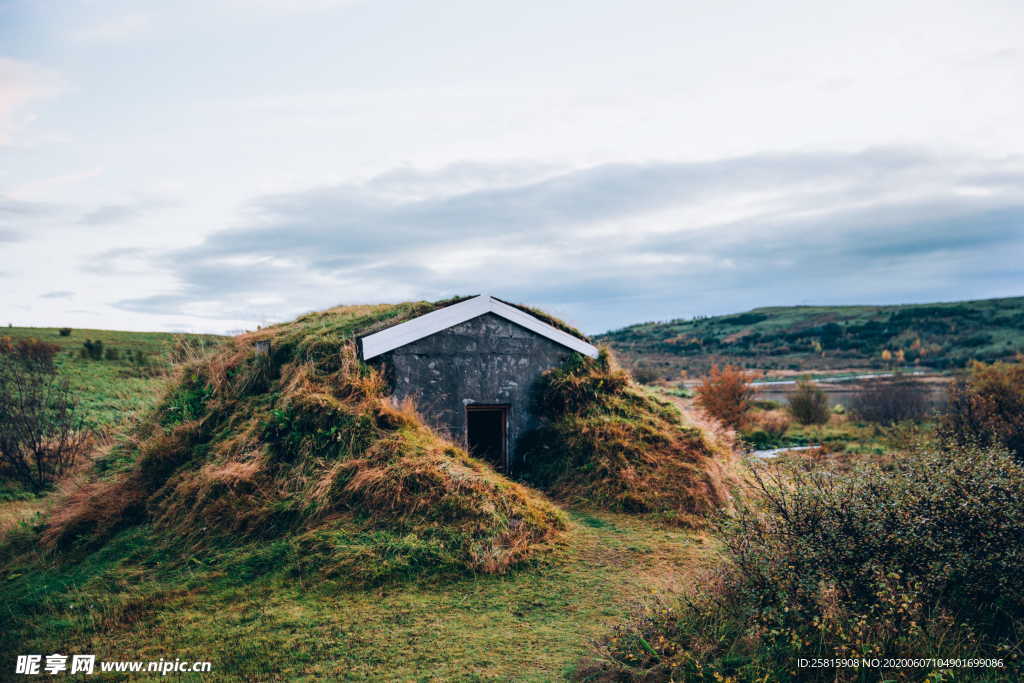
x: 937, y: 336
x: 125, y: 379
x: 280, y: 502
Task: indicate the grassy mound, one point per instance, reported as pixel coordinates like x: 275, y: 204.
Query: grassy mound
x: 302, y: 443
x: 605, y: 442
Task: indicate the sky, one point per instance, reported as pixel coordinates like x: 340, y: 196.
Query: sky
x: 217, y: 165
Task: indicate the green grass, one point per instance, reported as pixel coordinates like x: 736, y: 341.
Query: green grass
x: 127, y: 601
x: 108, y: 390
x: 291, y: 606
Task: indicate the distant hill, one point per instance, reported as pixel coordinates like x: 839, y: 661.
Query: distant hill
x: 939, y: 336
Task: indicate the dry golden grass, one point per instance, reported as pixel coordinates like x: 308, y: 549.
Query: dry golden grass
x: 606, y: 442
x: 13, y: 513
x: 252, y: 445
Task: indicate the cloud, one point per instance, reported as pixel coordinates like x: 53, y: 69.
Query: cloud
x: 615, y: 243
x: 59, y: 294
x: 289, y: 6
x: 22, y: 216
x: 114, y: 29
x: 118, y: 261
x: 121, y: 213
x: 22, y: 83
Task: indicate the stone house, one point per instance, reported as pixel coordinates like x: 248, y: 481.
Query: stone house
x: 470, y: 368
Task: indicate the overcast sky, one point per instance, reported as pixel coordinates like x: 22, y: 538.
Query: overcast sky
x: 214, y: 165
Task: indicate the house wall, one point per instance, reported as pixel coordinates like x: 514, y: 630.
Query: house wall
x: 486, y: 360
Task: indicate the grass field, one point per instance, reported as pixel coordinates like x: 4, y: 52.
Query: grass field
x: 107, y: 389
x: 253, y: 622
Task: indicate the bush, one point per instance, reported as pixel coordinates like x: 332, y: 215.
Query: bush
x: 112, y: 354
x: 92, y: 349
x: 890, y: 400
x: 645, y: 374
x: 41, y: 434
x: 987, y: 408
x: 725, y: 394
x: 808, y: 404
x: 820, y: 569
x: 31, y: 354
x: 775, y: 422
x: 64, y: 331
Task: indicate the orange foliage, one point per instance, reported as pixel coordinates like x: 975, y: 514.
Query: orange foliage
x: 725, y: 394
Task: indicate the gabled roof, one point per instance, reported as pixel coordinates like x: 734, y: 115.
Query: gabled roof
x: 375, y: 344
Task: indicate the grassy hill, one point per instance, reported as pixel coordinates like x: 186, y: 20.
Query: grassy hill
x: 938, y: 336
x: 277, y: 515
x: 126, y: 382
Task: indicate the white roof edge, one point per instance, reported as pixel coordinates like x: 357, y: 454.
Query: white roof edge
x: 391, y: 338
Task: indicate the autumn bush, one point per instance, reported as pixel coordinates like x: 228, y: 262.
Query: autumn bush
x: 816, y: 567
x: 808, y: 404
x: 987, y: 407
x: 29, y: 353
x: 725, y: 393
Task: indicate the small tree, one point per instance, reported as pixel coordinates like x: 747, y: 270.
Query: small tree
x: 65, y: 331
x: 809, y: 404
x: 987, y: 407
x: 41, y: 434
x: 725, y: 394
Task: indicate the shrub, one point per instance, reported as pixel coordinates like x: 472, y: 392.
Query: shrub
x: 141, y: 362
x: 766, y: 429
x: 808, y: 404
x: 645, y: 374
x: 64, y: 331
x: 890, y: 400
x: 92, y: 349
x: 725, y: 394
x: 41, y: 434
x: 818, y: 568
x: 112, y: 354
x: 31, y: 354
x: 987, y: 407
x: 774, y: 422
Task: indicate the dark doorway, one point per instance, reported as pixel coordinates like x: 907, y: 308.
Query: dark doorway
x: 486, y: 432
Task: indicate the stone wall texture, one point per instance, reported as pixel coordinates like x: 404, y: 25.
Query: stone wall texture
x: 486, y: 360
